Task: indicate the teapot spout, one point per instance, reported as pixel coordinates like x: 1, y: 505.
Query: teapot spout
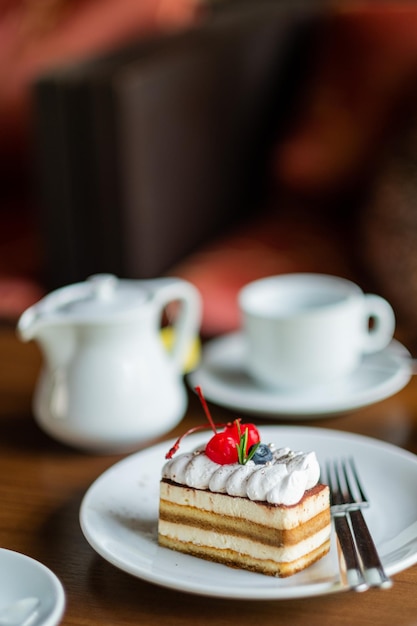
x: 56, y: 340
x: 28, y: 324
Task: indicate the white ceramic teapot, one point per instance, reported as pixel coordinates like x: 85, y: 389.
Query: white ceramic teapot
x: 107, y: 382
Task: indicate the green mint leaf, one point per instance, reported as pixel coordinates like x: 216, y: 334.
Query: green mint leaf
x: 241, y: 447
x: 252, y: 451
x: 239, y: 454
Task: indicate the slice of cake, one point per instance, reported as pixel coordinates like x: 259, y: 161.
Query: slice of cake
x: 240, y: 502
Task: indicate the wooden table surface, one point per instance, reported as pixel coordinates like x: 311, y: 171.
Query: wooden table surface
x: 43, y: 482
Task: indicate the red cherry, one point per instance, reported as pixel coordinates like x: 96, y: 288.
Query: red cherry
x: 221, y: 449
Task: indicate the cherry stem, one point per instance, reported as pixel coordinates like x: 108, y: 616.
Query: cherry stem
x: 206, y: 409
x: 214, y: 426
x: 176, y: 445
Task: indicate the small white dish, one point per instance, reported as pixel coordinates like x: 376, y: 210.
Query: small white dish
x: 21, y: 577
x: 119, y: 518
x: 223, y: 379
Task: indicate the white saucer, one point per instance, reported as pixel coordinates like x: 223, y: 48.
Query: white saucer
x: 223, y: 379
x: 119, y: 518
x: 22, y: 577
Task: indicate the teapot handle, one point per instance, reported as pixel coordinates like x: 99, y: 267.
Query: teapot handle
x: 187, y: 321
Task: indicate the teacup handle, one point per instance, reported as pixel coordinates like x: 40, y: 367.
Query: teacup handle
x: 380, y: 333
x: 187, y: 321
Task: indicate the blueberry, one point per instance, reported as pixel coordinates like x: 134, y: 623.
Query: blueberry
x: 262, y: 455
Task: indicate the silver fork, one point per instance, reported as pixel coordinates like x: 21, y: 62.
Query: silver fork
x: 348, y: 498
x: 350, y: 566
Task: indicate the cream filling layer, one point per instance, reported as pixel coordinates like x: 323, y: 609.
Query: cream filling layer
x: 254, y: 549
x: 242, y: 508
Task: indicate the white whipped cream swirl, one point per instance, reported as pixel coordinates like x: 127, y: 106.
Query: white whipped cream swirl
x: 280, y: 481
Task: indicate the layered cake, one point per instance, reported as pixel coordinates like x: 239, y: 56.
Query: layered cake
x: 246, y: 504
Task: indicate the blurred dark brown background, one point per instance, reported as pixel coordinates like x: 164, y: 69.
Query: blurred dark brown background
x: 221, y: 141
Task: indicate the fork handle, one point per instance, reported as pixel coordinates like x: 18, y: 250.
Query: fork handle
x: 372, y: 566
x: 354, y: 575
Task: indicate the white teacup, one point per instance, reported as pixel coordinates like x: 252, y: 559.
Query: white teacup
x: 303, y: 330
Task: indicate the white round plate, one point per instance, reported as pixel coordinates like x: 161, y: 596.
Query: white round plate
x: 119, y: 518
x: 24, y: 577
x: 223, y: 379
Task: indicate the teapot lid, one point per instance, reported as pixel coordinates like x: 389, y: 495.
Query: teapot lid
x: 100, y: 297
